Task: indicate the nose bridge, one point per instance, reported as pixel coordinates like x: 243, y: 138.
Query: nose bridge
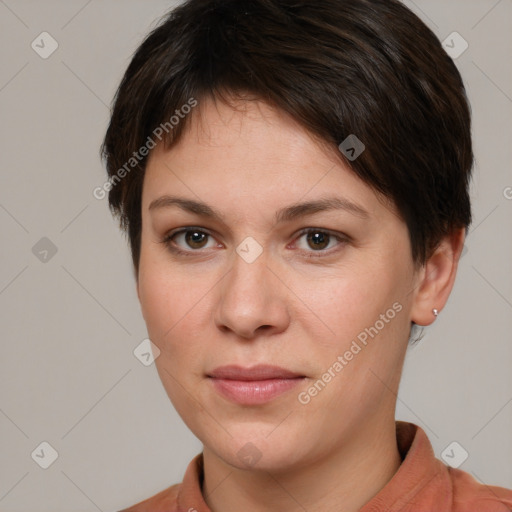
x: 250, y: 266
x: 249, y: 297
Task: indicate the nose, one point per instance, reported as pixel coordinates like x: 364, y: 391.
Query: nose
x: 252, y: 300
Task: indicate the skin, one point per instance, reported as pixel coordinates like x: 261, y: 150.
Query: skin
x: 211, y: 308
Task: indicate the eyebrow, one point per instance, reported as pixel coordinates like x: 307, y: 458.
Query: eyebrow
x: 287, y: 214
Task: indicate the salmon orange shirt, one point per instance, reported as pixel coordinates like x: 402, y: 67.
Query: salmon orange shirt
x: 422, y: 484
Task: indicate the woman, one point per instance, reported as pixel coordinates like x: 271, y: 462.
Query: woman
x: 293, y: 177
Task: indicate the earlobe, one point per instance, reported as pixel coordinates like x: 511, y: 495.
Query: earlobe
x: 437, y: 279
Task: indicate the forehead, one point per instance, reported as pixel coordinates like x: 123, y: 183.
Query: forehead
x: 262, y: 128
x: 250, y: 150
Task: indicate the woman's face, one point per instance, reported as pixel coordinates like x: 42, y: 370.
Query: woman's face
x: 332, y: 307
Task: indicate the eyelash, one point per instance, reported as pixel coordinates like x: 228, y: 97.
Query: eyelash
x: 342, y: 239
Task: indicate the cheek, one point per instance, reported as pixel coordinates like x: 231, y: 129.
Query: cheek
x: 175, y: 308
x: 365, y: 320
x: 156, y: 301
x: 348, y: 302
x: 174, y: 312
x: 159, y: 294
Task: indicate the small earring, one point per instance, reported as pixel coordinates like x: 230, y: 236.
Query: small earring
x: 435, y: 311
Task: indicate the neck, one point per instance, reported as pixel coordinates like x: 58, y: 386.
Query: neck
x: 344, y: 480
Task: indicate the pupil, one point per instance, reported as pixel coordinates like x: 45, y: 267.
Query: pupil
x: 320, y: 240
x: 192, y: 237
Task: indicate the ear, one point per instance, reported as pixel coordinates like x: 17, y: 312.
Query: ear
x: 436, y: 278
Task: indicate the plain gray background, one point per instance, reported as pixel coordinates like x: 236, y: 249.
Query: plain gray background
x: 71, y: 320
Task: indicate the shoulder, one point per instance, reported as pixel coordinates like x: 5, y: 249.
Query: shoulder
x: 469, y: 495
x: 164, y: 501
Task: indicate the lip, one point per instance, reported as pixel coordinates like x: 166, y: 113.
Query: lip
x: 258, y: 372
x: 255, y: 385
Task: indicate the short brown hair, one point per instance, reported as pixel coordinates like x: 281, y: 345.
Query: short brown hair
x: 369, y: 68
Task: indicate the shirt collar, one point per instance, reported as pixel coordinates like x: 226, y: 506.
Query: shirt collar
x: 421, y: 483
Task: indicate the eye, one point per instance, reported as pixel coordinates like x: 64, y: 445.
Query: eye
x: 187, y: 240
x: 318, y: 240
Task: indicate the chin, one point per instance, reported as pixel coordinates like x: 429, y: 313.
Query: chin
x: 248, y: 449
